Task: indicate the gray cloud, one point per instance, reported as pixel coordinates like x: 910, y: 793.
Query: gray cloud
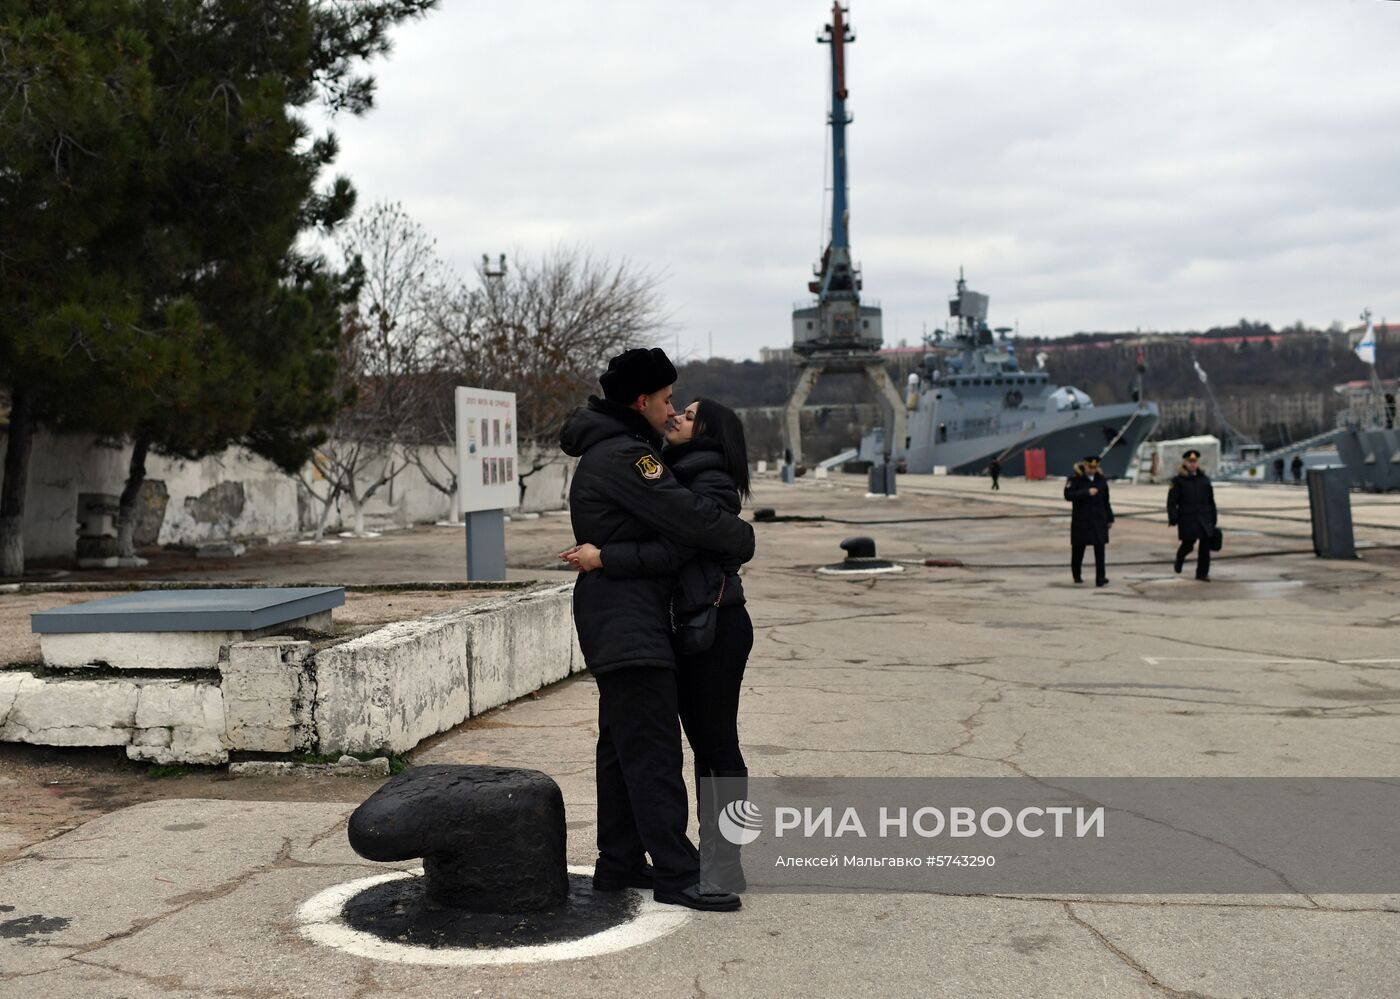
x: 1094, y: 165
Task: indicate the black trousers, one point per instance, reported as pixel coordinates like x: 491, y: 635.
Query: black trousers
x: 642, y: 801
x: 709, y: 684
x: 1076, y: 561
x: 1202, y: 556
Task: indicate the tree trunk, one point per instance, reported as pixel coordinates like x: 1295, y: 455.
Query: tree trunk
x: 331, y: 495
x: 359, y: 508
x: 16, y: 482
x: 126, y: 511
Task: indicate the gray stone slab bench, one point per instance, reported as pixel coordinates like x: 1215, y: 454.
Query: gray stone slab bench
x: 177, y: 629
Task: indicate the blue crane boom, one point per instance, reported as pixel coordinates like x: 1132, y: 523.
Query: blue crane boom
x: 836, y: 35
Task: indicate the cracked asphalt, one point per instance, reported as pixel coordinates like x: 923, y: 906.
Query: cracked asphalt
x: 1285, y: 665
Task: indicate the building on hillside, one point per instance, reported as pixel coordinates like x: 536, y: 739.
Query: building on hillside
x: 1278, y: 416
x: 1359, y: 404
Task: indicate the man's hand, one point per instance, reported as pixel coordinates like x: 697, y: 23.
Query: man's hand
x: 585, y: 557
x: 1093, y: 490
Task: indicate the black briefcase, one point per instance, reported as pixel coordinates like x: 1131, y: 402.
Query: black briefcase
x: 1217, y: 540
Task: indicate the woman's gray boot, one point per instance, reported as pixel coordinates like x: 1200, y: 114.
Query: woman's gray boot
x: 705, y: 812
x: 724, y: 868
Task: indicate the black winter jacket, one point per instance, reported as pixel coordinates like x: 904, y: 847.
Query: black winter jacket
x: 1092, y: 515
x: 1191, y: 505
x: 622, y: 492
x: 701, y: 577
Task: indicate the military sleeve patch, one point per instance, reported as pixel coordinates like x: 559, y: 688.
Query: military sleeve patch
x: 649, y: 467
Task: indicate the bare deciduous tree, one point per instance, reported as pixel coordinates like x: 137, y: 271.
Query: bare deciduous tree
x: 384, y: 363
x: 544, y: 330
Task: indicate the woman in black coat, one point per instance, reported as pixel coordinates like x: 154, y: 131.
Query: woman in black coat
x: 706, y: 451
x: 1092, y: 515
x: 1191, y: 510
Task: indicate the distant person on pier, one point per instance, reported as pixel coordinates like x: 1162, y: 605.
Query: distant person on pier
x: 1297, y: 468
x: 1091, y: 518
x: 994, y: 470
x: 1191, y: 510
x: 1278, y: 470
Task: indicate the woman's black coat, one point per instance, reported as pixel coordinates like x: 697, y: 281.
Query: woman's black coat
x: 1191, y: 505
x: 1091, y: 515
x: 701, y: 576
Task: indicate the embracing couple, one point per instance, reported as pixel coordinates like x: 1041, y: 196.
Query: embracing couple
x: 659, y: 609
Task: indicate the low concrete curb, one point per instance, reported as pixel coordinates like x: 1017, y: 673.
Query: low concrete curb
x: 383, y: 691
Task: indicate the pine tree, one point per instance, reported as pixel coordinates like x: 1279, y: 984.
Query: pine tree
x: 159, y: 176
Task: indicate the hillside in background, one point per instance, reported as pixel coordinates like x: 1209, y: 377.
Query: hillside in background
x: 1277, y: 385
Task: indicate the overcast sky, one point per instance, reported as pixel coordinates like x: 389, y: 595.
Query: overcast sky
x: 1093, y: 165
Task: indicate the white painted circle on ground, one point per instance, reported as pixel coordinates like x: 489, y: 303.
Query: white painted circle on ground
x: 827, y: 570
x: 319, y: 920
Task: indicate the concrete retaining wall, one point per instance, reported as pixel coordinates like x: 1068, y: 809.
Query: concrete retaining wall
x: 398, y: 685
x: 386, y: 690
x: 157, y: 719
x: 229, y: 495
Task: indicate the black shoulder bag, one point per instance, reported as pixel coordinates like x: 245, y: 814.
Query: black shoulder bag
x: 697, y: 632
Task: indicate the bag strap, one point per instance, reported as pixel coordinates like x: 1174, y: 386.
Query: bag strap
x: 721, y: 590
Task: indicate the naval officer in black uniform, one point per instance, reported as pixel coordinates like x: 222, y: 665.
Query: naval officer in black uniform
x: 1091, y: 518
x: 1191, y: 510
x: 622, y: 492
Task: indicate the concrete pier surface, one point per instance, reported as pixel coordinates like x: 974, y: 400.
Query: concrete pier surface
x: 1283, y: 665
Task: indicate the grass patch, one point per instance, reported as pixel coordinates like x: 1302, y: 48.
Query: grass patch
x: 398, y: 763
x: 160, y: 771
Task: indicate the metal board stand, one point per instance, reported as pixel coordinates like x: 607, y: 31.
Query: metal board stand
x: 486, y: 545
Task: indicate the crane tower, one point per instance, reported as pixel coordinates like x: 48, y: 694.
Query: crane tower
x: 837, y: 333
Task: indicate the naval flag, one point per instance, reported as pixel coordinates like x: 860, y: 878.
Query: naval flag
x: 1366, y: 349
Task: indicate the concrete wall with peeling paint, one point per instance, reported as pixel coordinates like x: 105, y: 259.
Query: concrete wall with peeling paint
x: 229, y: 495
x: 385, y: 690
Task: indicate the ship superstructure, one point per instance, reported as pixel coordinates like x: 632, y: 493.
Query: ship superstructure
x: 973, y: 402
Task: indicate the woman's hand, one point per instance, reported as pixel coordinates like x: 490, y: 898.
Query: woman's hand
x: 585, y: 557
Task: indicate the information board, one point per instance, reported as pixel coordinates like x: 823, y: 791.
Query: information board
x: 487, y: 454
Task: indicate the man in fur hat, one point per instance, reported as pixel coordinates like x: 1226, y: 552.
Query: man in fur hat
x: 622, y: 492
x: 1191, y: 510
x: 1092, y: 515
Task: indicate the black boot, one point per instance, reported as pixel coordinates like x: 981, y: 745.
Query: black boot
x: 705, y: 813
x: 723, y: 866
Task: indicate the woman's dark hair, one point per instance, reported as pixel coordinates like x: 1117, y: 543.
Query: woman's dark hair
x: 719, y: 423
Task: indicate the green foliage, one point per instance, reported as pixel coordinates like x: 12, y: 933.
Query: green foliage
x: 75, y: 90
x: 162, y: 771
x: 398, y: 763
x: 157, y: 177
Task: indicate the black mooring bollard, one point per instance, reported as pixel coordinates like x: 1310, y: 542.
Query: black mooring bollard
x: 492, y: 839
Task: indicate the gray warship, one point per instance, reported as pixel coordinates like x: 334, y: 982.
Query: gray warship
x: 972, y: 402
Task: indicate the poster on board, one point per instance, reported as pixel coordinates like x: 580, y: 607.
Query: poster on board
x: 486, y: 450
